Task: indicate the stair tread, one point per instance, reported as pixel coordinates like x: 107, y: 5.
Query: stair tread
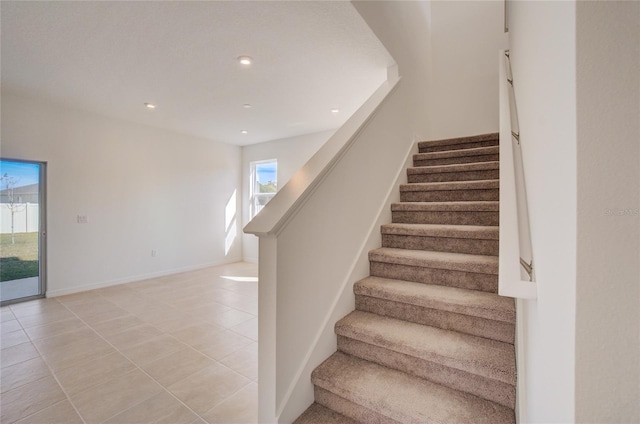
x: 464, y: 206
x: 484, y: 232
x: 430, y: 259
x: 458, y: 140
x: 318, y: 414
x: 451, y: 299
x: 475, y: 151
x: 452, y: 185
x: 402, y: 397
x: 456, y: 167
x: 476, y: 355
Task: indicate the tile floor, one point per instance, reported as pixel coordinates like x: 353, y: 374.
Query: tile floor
x: 176, y: 349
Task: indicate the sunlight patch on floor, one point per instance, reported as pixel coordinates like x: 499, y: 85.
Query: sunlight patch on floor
x: 237, y: 278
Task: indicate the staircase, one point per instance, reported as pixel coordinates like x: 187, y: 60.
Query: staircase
x: 430, y: 340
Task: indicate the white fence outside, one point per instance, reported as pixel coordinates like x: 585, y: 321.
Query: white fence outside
x: 26, y: 218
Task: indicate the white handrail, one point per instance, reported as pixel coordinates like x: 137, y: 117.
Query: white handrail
x: 516, y: 274
x: 292, y: 196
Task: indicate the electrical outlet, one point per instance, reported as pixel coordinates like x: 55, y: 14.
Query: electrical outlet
x: 154, y: 253
x: 82, y: 219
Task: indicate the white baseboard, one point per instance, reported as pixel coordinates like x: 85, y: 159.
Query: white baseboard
x: 521, y: 387
x: 139, y: 277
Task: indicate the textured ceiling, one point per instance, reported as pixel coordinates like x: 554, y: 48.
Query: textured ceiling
x: 111, y: 57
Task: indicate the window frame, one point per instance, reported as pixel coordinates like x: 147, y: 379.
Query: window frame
x: 254, y: 207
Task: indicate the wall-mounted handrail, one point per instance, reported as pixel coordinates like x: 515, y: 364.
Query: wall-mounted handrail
x: 516, y: 272
x: 513, y: 110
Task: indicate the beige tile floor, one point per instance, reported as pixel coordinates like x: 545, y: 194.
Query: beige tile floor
x: 176, y: 349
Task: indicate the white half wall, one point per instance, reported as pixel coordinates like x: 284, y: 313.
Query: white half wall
x: 463, y: 85
x: 608, y: 280
x: 543, y: 49
x: 141, y: 189
x: 292, y: 153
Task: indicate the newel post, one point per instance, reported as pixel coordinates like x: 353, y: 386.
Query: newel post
x: 267, y: 295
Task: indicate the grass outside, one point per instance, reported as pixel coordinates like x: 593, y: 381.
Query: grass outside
x: 19, y: 260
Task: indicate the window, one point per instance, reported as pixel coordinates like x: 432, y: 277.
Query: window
x: 264, y: 183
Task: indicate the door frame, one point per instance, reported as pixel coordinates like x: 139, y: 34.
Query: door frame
x: 42, y: 233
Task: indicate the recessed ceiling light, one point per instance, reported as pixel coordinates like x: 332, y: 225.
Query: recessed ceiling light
x: 244, y: 132
x: 245, y: 60
x: 335, y: 110
x: 246, y: 106
x: 150, y: 105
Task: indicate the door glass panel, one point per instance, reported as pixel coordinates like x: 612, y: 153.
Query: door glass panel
x: 21, y: 230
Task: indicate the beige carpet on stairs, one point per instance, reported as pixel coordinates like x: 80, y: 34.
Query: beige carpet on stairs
x: 430, y: 340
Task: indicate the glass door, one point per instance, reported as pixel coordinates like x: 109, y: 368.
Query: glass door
x: 22, y: 230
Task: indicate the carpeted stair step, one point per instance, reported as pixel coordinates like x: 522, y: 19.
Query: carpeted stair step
x: 480, y: 240
x: 456, y: 172
x: 448, y: 157
x: 482, y: 367
x: 475, y: 272
x: 430, y: 340
x: 467, y: 311
x: 455, y: 191
x: 456, y: 213
x: 318, y: 414
x: 483, y: 140
x: 371, y: 393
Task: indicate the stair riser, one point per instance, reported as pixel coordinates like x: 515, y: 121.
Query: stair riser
x: 450, y: 195
x: 350, y: 409
x: 440, y: 177
x: 446, y: 217
x: 443, y: 277
x: 493, y: 390
x: 422, y: 161
x: 459, y: 146
x: 475, y: 326
x: 441, y: 244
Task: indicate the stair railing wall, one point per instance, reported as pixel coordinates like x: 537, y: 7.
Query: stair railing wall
x: 313, y: 241
x: 516, y: 276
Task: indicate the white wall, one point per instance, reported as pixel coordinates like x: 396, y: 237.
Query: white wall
x: 292, y: 153
x: 404, y: 28
x: 463, y: 88
x: 608, y: 280
x: 543, y: 49
x: 141, y: 189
